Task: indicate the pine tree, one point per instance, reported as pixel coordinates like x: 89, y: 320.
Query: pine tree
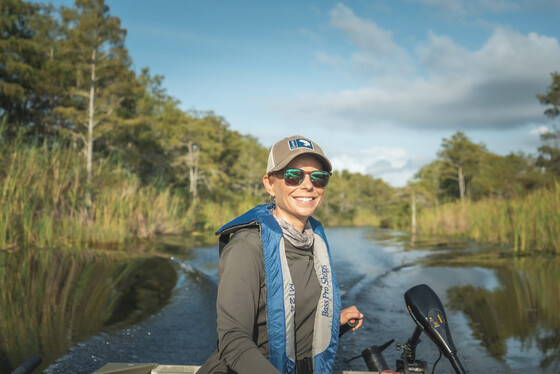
x: 94, y: 47
x: 20, y: 58
x: 460, y: 159
x: 53, y: 77
x: 549, y: 152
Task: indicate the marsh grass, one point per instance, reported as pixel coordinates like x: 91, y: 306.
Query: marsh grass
x: 42, y: 200
x: 529, y: 224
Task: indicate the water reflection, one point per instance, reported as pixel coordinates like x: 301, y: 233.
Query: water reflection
x: 51, y: 299
x: 520, y: 319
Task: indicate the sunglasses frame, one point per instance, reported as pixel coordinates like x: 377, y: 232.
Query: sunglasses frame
x: 310, y: 173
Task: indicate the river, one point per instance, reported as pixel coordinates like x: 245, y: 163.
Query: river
x: 504, y: 313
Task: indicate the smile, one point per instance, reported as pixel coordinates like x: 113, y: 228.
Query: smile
x: 305, y: 198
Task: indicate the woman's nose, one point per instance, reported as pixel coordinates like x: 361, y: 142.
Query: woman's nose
x: 306, y: 183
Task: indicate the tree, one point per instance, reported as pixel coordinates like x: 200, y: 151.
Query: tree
x: 52, y: 79
x: 135, y: 140
x: 94, y: 47
x: 549, y: 152
x: 247, y: 165
x: 507, y: 176
x: 552, y: 96
x: 20, y: 59
x: 428, y: 179
x: 460, y: 159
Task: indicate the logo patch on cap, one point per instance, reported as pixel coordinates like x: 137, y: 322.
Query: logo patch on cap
x: 300, y: 143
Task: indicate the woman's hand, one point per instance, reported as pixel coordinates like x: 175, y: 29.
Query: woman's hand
x: 351, y: 314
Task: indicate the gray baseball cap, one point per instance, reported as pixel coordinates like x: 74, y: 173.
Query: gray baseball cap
x: 285, y: 150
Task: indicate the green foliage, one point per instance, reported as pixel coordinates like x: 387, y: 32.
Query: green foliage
x: 459, y: 162
x: 508, y: 177
x: 356, y: 199
x: 504, y: 199
x: 21, y: 60
x: 529, y: 224
x: 42, y: 199
x: 549, y: 152
x: 93, y: 50
x: 552, y: 96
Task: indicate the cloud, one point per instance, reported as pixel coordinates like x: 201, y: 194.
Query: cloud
x: 364, y: 33
x: 377, y: 49
x: 540, y: 130
x: 493, y: 87
x: 392, y: 164
x: 333, y: 61
x: 364, y: 160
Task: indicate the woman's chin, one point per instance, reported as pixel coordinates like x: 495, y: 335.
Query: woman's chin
x: 306, y: 210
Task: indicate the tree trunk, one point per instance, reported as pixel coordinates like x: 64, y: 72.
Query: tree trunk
x: 89, y: 147
x: 413, y: 212
x: 436, y: 198
x: 461, y: 181
x: 192, y: 163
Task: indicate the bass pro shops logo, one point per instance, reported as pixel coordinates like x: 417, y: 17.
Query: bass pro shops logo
x: 300, y: 143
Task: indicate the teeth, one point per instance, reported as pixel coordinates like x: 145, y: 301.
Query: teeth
x: 304, y: 198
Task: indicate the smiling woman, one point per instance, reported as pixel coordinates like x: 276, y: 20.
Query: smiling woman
x: 278, y: 303
x: 297, y: 196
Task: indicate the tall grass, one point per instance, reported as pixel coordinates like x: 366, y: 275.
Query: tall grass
x: 42, y: 200
x: 529, y: 224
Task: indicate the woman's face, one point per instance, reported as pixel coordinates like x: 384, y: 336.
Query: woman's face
x: 294, y: 204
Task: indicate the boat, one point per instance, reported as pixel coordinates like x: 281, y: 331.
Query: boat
x: 424, y: 307
x: 152, y: 368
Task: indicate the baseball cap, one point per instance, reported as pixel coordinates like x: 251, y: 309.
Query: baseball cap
x: 285, y: 150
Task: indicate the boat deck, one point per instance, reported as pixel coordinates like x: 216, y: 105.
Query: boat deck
x: 148, y: 368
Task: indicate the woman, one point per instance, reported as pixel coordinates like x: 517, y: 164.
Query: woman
x: 278, y: 301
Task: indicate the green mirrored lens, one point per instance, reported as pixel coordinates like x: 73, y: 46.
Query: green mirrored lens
x: 293, y: 177
x: 320, y: 178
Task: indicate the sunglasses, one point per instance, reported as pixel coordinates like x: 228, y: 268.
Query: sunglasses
x: 294, y: 177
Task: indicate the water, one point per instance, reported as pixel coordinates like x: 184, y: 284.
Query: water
x: 51, y: 299
x: 504, y: 314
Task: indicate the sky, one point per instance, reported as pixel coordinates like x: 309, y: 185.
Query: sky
x: 377, y: 84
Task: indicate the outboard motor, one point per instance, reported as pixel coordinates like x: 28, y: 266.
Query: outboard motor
x: 427, y: 311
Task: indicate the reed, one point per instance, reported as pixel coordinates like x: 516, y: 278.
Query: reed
x: 42, y: 200
x: 212, y: 215
x: 529, y: 224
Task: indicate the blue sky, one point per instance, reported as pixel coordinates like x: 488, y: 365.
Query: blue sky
x: 378, y: 84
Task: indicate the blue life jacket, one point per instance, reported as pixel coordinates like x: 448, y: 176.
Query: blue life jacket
x: 280, y: 294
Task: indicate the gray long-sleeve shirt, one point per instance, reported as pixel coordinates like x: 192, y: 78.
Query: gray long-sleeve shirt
x: 241, y: 305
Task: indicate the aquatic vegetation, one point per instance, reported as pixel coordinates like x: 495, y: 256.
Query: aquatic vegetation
x: 529, y: 224
x: 42, y: 201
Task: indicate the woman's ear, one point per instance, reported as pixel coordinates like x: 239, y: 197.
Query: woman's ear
x: 267, y: 182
